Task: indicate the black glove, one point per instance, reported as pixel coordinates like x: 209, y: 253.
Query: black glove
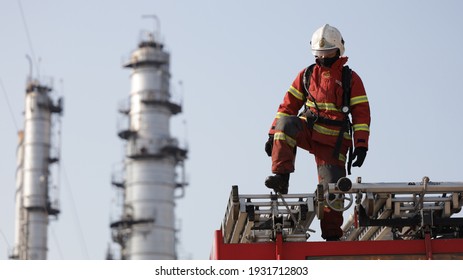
x: 269, y: 145
x: 360, y: 153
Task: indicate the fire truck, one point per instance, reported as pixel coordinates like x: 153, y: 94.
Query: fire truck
x: 405, y: 220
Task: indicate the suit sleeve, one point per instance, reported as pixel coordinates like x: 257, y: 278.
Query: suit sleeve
x: 293, y: 100
x: 360, y: 111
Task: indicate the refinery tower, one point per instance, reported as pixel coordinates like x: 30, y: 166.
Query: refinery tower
x: 153, y: 167
x: 37, y: 153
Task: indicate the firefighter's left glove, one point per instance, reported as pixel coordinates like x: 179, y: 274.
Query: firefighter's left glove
x: 360, y: 154
x: 269, y: 145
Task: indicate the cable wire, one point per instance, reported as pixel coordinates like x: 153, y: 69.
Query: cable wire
x: 58, y: 247
x: 76, y: 216
x: 26, y: 29
x: 8, y: 104
x: 6, y: 241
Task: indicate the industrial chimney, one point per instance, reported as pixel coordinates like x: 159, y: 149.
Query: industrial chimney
x: 154, y: 160
x: 34, y: 184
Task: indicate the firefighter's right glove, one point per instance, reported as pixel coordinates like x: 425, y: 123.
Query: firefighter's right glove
x: 360, y: 154
x: 269, y: 145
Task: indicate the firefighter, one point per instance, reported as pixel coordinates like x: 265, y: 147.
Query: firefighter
x: 335, y: 121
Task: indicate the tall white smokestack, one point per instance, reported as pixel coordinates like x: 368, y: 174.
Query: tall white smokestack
x: 33, y: 204
x: 146, y: 229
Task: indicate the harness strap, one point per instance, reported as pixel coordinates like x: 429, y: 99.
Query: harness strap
x: 346, y: 88
x: 344, y: 124
x: 309, y: 115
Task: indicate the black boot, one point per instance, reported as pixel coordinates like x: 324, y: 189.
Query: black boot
x: 332, y: 238
x: 278, y: 182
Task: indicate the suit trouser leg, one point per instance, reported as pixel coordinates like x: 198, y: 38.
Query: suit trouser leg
x: 291, y: 132
x: 329, y: 169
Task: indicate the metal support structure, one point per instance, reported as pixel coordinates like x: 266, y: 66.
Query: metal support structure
x: 260, y: 218
x: 391, y: 221
x: 407, y: 210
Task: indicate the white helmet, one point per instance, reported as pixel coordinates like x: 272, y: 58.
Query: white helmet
x: 326, y: 39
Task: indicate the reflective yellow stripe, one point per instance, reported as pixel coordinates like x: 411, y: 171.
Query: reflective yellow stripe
x: 281, y: 136
x: 331, y: 132
x: 323, y: 106
x: 296, y: 93
x: 358, y: 99
x: 361, y: 127
x: 332, y: 106
x: 281, y: 114
x: 342, y: 157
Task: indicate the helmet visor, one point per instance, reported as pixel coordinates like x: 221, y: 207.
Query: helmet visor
x: 324, y: 52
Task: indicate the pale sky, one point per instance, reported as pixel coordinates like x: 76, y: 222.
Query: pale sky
x: 235, y: 59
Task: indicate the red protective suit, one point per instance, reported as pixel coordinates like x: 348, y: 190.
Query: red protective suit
x: 325, y: 100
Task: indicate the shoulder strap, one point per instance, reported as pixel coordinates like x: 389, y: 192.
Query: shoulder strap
x: 346, y: 88
x: 306, y: 79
